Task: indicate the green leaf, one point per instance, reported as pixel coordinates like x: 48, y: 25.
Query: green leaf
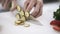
x: 57, y: 14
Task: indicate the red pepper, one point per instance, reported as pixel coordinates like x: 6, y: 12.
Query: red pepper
x: 55, y: 24
x: 56, y: 28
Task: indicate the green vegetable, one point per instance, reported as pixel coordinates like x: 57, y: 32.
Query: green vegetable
x: 57, y: 14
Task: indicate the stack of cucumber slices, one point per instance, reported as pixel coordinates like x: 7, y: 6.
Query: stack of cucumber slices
x: 22, y: 16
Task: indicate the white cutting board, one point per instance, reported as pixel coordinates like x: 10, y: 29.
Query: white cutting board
x: 7, y: 20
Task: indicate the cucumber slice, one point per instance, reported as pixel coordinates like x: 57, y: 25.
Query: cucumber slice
x: 26, y: 25
x: 27, y: 14
x: 18, y: 16
x: 19, y: 22
x: 23, y: 18
x: 21, y: 13
x: 18, y: 8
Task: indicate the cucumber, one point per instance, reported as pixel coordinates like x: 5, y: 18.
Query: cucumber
x: 19, y: 22
x: 18, y: 8
x: 27, y: 14
x: 18, y: 16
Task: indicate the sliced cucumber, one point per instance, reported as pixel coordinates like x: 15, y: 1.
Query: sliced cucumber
x: 19, y: 22
x: 21, y: 13
x: 23, y: 18
x: 26, y: 25
x: 18, y: 8
x: 18, y: 16
x: 27, y: 14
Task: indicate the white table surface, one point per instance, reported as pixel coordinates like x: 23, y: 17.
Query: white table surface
x: 7, y: 22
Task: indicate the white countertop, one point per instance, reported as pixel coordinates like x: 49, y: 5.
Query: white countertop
x: 7, y: 22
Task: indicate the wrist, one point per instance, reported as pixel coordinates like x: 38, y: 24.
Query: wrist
x: 40, y: 0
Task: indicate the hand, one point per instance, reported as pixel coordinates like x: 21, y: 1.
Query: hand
x: 38, y: 4
x: 14, y: 4
x: 6, y: 4
x: 0, y: 1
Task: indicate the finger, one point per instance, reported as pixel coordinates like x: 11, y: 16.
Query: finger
x: 12, y: 9
x: 31, y: 5
x: 7, y: 4
x: 36, y: 10
x: 14, y: 4
x: 40, y: 10
x: 3, y: 1
x: 26, y: 4
x: 39, y: 14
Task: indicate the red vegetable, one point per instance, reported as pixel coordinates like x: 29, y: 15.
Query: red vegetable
x: 56, y: 28
x: 55, y: 24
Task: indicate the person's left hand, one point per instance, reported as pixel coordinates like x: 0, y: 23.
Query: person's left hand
x: 0, y: 1
x: 38, y: 4
x: 6, y: 4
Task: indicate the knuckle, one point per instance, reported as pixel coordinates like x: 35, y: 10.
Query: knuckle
x: 36, y: 11
x: 33, y: 0
x: 40, y: 3
x: 26, y: 2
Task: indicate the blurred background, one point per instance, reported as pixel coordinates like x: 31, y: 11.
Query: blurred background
x: 48, y: 1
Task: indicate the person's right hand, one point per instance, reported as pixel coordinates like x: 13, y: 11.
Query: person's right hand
x: 37, y: 4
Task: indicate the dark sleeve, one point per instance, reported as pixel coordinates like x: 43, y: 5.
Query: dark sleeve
x: 46, y: 1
